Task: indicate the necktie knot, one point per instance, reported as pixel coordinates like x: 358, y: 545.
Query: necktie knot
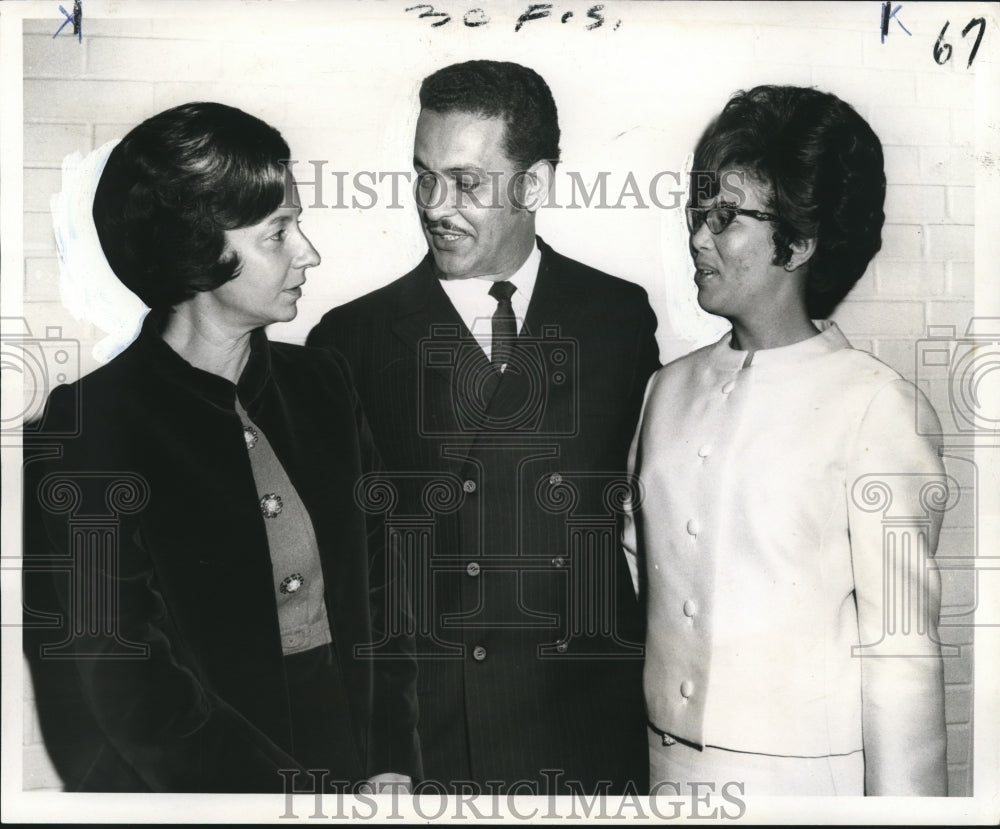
x: 502, y: 291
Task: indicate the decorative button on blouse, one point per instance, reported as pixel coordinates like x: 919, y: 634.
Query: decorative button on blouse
x: 270, y: 505
x: 250, y: 436
x: 292, y: 583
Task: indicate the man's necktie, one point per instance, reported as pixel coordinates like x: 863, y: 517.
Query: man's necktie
x: 504, y: 324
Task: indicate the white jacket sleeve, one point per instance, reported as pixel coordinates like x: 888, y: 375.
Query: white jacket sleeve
x: 897, y: 492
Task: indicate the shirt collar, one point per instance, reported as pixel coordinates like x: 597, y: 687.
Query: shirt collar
x: 828, y: 340
x: 523, y: 279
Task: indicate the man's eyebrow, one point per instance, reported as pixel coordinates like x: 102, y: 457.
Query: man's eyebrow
x: 467, y: 168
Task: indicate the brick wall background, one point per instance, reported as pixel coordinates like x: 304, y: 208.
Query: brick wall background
x: 342, y: 86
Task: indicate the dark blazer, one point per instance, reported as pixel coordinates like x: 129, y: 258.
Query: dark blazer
x: 151, y: 624
x: 505, y: 499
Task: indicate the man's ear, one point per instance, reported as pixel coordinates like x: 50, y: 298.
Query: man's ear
x: 535, y: 183
x: 802, y: 251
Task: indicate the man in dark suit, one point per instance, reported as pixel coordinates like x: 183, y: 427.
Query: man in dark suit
x: 502, y: 382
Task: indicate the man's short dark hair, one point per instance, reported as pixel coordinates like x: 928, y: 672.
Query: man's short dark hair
x: 822, y: 165
x: 170, y: 189
x: 496, y: 89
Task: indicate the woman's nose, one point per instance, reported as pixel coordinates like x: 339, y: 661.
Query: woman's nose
x: 700, y: 239
x: 308, y: 256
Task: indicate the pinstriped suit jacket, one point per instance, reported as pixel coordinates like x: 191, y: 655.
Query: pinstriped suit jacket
x: 505, y: 493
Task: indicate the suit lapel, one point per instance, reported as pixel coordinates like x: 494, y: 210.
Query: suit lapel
x: 556, y: 299
x: 426, y: 321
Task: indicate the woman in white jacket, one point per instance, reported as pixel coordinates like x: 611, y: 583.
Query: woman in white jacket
x: 790, y: 484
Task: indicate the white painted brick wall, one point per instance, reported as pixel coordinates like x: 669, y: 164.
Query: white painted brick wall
x: 79, y: 96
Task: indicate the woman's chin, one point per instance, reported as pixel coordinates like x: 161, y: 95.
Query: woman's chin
x: 706, y: 303
x: 285, y: 314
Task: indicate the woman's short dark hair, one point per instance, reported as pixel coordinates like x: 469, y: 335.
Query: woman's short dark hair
x: 170, y: 189
x: 822, y: 167
x: 500, y: 89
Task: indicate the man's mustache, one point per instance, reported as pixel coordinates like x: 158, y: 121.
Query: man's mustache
x: 444, y: 226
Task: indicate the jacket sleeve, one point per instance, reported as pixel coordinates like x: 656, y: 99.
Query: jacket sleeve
x: 647, y: 356
x: 629, y: 533
x: 145, y: 697
x: 897, y: 492
x: 646, y: 362
x: 394, y: 744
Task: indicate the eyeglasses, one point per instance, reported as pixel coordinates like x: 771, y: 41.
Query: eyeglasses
x: 719, y: 218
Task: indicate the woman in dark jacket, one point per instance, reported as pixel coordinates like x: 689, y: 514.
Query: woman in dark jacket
x: 206, y: 598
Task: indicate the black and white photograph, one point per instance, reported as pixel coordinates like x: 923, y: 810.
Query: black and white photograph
x: 500, y: 411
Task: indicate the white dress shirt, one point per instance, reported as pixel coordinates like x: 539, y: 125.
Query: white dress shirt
x: 781, y: 502
x: 472, y: 300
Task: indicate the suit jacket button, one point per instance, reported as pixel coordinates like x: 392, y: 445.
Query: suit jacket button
x: 472, y: 568
x: 726, y: 389
x: 479, y: 653
x: 687, y: 688
x: 704, y: 450
x: 558, y: 561
x: 469, y: 486
x: 693, y: 527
